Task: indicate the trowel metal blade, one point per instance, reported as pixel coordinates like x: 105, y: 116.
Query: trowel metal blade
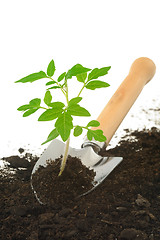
x: 103, y: 166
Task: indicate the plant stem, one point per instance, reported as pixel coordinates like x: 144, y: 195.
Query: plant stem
x: 44, y: 108
x: 58, y: 85
x: 81, y: 90
x: 82, y: 127
x: 64, y: 159
x: 67, y: 95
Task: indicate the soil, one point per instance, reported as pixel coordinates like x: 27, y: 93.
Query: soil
x: 75, y: 180
x: 126, y: 206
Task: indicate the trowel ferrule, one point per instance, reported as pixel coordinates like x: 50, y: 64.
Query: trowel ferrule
x: 96, y: 145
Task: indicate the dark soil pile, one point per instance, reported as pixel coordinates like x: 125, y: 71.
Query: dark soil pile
x: 126, y: 206
x: 74, y: 181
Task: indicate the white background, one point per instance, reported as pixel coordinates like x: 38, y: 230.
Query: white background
x: 92, y: 33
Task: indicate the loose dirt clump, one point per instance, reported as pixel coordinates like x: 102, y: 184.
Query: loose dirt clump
x: 125, y: 206
x: 74, y: 181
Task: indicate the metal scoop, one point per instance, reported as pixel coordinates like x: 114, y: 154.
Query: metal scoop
x: 141, y: 72
x: 101, y: 165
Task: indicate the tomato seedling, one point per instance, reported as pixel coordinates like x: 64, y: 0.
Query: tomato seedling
x: 63, y: 113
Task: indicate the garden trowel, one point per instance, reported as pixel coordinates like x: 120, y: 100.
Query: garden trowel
x: 141, y: 72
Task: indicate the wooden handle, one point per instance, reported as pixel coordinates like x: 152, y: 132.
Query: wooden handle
x: 141, y: 72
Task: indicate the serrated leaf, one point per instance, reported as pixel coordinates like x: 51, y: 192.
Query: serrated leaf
x: 75, y: 100
x: 50, y: 114
x: 76, y: 110
x: 61, y: 77
x: 56, y: 105
x: 77, y: 131
x: 81, y: 77
x: 96, y: 72
x: 51, y: 68
x: 92, y: 85
x: 55, y: 87
x: 24, y: 107
x: 64, y: 125
x: 89, y: 135
x: 47, y: 98
x: 93, y: 123
x: 29, y: 112
x: 75, y: 70
x: 35, y: 102
x: 50, y: 83
x: 53, y: 134
x: 98, y: 135
x: 33, y: 77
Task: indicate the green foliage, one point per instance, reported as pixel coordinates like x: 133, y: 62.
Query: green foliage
x: 33, y: 77
x: 95, y: 73
x: 47, y: 98
x: 35, y: 102
x: 54, y: 87
x: 50, y: 83
x: 92, y: 85
x: 53, y: 134
x: 62, y: 113
x: 24, y: 107
x: 64, y: 125
x: 50, y: 114
x: 30, y: 108
x: 74, y: 101
x: 96, y: 134
x: 56, y: 105
x: 93, y: 123
x: 77, y: 110
x: 29, y: 112
x: 76, y: 70
x: 61, y: 77
x: 51, y: 68
x: 77, y: 131
x: 82, y: 77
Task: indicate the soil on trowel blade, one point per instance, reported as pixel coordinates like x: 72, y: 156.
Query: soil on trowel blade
x: 126, y: 206
x: 75, y: 180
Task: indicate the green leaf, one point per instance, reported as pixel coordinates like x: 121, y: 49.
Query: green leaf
x: 89, y: 135
x: 93, y: 123
x: 53, y: 134
x: 56, y: 105
x: 75, y: 70
x: 35, y: 102
x: 75, y: 100
x: 92, y: 85
x: 97, y: 135
x: 81, y: 77
x: 50, y: 82
x: 24, y: 107
x: 96, y: 72
x: 64, y: 125
x: 29, y: 112
x: 77, y: 131
x: 54, y: 87
x: 51, y: 68
x: 33, y: 77
x: 76, y: 110
x: 47, y: 98
x: 50, y: 114
x: 60, y: 78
